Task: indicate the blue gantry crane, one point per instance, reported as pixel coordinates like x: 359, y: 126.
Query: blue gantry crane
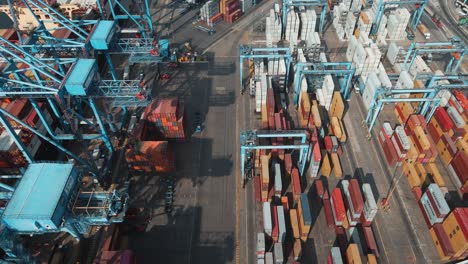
x: 456, y: 48
x: 419, y: 6
x: 250, y: 140
x: 307, y: 3
x: 343, y: 70
x: 428, y: 103
x: 50, y: 198
x: 259, y: 54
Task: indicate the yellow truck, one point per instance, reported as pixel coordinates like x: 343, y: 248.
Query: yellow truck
x: 423, y: 29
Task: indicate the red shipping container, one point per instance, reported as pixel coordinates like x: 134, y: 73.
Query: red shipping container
x: 364, y: 221
x: 423, y: 211
x: 460, y: 166
x: 458, y: 132
x: 443, y: 119
x: 449, y: 144
x: 417, y: 192
x: 370, y: 240
x: 434, y: 205
x: 444, y: 241
x: 433, y: 133
x: 356, y: 196
x: 328, y: 143
x: 319, y: 188
x: 278, y: 123
x: 422, y: 121
x: 390, y: 153
x: 274, y: 221
x: 325, y: 195
x: 412, y: 122
x: 327, y: 209
x: 296, y: 182
x: 400, y: 113
x: 258, y: 189
x: 338, y: 204
x: 216, y: 18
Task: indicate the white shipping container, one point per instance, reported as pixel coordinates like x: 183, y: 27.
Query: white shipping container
x: 278, y: 250
x: 456, y: 117
x: 267, y: 225
x: 278, y: 182
x: 401, y: 134
x: 370, y: 206
x: 260, y: 245
x: 439, y: 199
x: 336, y: 255
x: 269, y: 258
x: 429, y: 211
x: 281, y: 224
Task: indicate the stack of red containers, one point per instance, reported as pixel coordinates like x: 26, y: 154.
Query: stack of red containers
x: 296, y: 184
x: 165, y: 119
x: 356, y: 200
x: 216, y: 18
x: 459, y: 169
x: 337, y: 203
x: 149, y: 156
x: 233, y: 13
x: 327, y: 209
x: 370, y: 240
x: 274, y: 221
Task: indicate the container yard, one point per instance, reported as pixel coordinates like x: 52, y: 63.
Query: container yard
x: 233, y: 131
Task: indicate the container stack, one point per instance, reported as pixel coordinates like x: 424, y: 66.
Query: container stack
x: 451, y: 237
x: 382, y: 32
x: 397, y: 24
x: 405, y: 81
x: 351, y: 48
x: 151, y: 156
x: 364, y: 24
x: 340, y: 16
x: 208, y: 10
x: 420, y: 67
x: 308, y: 23
x: 395, y: 54
x: 273, y: 29
x: 350, y: 25
x: 338, y: 208
x: 292, y: 28
x: 434, y: 205
x: 353, y: 200
x: 370, y: 206
x: 261, y: 93
x: 164, y: 119
x: 356, y: 6
x: 232, y: 11
x: 325, y: 95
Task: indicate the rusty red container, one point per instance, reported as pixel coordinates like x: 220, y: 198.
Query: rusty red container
x: 444, y: 240
x: 460, y: 166
x: 356, y: 196
x: 328, y: 143
x: 444, y: 120
x: 433, y: 133
x: 370, y: 240
x: 258, y: 189
x: 390, y: 153
x: 319, y: 188
x: 417, y: 192
x: 296, y: 182
x: 274, y: 221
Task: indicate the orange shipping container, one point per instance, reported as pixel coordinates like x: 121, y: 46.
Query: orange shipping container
x: 456, y: 227
x: 294, y: 223
x: 438, y: 246
x: 371, y: 259
x: 434, y: 172
x: 265, y: 171
x: 352, y: 254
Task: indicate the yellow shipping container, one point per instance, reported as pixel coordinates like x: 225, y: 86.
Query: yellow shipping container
x: 422, y: 138
x: 434, y: 171
x: 461, y: 145
x: 352, y: 254
x: 336, y: 165
x: 316, y: 115
x: 421, y: 171
x: 371, y: 259
x: 326, y: 166
x: 335, y: 123
x: 343, y: 132
x: 412, y: 153
x: 294, y: 223
x: 438, y: 247
x: 444, y: 153
x: 455, y: 233
x: 410, y: 171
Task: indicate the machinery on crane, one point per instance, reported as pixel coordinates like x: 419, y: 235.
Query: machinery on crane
x: 50, y: 198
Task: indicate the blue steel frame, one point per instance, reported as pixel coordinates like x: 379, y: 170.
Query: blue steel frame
x: 437, y: 47
x: 249, y: 141
x: 429, y: 99
x: 416, y: 17
x: 340, y: 69
x: 293, y: 3
x: 247, y: 52
x: 143, y: 21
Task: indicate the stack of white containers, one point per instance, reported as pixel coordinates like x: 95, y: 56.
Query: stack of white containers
x: 328, y: 87
x: 281, y: 224
x: 372, y: 60
x: 349, y: 202
x: 340, y: 15
x: 405, y: 81
x: 292, y: 27
x: 443, y: 94
x: 278, y: 182
x: 346, y: 3
x: 356, y: 6
x: 372, y: 84
x: 351, y: 48
x: 267, y: 224
x: 383, y: 76
x: 359, y: 57
x: 261, y: 93
x: 313, y: 45
x: 365, y: 22
x: 434, y: 204
x: 208, y: 10
x: 382, y: 32
x: 301, y: 58
x: 370, y: 207
x: 397, y: 23
x: 308, y: 23
x: 402, y: 144
x: 419, y: 66
x: 246, y: 5
x: 273, y: 29
x: 395, y: 53
x: 350, y: 25
x: 314, y: 162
